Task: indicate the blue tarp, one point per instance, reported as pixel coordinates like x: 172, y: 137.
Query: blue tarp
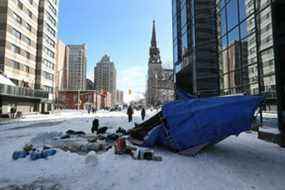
x: 203, y: 121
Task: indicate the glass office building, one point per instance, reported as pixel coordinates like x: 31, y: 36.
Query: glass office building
x: 249, y: 39
x: 245, y: 46
x: 194, y: 46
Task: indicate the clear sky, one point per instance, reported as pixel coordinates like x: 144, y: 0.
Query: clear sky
x: 121, y: 29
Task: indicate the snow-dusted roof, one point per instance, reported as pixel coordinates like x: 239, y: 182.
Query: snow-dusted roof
x: 5, y: 80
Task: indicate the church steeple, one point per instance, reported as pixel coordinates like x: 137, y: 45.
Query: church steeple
x: 154, y: 55
x: 153, y: 38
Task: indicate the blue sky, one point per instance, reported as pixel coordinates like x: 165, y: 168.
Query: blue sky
x: 122, y: 29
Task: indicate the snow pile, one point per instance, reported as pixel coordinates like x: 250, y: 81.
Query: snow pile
x: 242, y: 162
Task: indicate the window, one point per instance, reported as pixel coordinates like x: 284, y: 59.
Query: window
x: 49, y: 41
x: 28, y: 55
x: 28, y: 41
x: 29, y: 27
x: 20, y: 4
x: 51, y: 19
x: 48, y: 64
x: 16, y: 33
x: 17, y: 18
x: 27, y: 69
x: 15, y: 49
x: 30, y: 14
x: 52, y: 9
x: 15, y: 64
x: 49, y: 52
x: 50, y: 30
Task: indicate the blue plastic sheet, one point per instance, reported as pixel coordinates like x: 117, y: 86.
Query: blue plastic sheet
x: 203, y: 121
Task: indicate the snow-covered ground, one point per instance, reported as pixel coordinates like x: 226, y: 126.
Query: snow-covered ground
x: 242, y: 162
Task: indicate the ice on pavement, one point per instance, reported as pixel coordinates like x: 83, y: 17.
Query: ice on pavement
x: 242, y: 162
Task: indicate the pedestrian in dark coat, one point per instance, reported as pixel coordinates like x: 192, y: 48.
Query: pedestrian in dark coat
x: 143, y: 113
x: 130, y: 113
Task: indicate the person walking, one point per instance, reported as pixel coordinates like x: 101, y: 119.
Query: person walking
x: 143, y: 113
x: 89, y: 109
x: 130, y: 113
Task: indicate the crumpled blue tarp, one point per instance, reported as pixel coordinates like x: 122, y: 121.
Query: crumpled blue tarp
x: 203, y: 121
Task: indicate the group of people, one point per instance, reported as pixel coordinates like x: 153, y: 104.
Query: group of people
x: 130, y: 113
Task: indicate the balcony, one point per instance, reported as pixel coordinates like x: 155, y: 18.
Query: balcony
x: 7, y: 90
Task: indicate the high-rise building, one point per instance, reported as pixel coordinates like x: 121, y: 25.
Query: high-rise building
x: 194, y: 47
x: 159, y: 84
x: 61, y: 67
x: 77, y: 61
x: 46, y: 44
x: 23, y: 38
x: 119, y: 97
x: 250, y: 48
x: 105, y: 77
x: 18, y: 40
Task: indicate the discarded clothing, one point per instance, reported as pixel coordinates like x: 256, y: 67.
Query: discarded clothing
x: 72, y: 132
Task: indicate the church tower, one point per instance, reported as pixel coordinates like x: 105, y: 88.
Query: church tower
x: 154, y: 71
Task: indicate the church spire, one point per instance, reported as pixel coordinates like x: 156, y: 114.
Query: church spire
x: 153, y: 38
x: 154, y: 57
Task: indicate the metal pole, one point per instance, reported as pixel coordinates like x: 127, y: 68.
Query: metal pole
x: 78, y: 99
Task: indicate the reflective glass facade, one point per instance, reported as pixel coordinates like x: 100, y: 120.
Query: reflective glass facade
x: 247, y: 39
x: 194, y: 46
x: 245, y: 46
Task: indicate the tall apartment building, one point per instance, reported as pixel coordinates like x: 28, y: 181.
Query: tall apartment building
x: 77, y: 61
x: 61, y: 67
x: 18, y: 40
x: 21, y: 36
x: 194, y: 46
x: 105, y: 77
x: 46, y: 44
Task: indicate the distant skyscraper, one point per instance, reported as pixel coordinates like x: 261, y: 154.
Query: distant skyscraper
x: 195, y: 47
x: 158, y: 81
x: 77, y: 61
x: 119, y: 97
x: 105, y: 77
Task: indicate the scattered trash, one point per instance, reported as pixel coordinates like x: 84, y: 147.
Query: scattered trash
x: 102, y: 130
x: 19, y: 154
x: 72, y: 132
x: 146, y: 154
x: 34, y: 153
x: 121, y: 147
x: 121, y: 131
